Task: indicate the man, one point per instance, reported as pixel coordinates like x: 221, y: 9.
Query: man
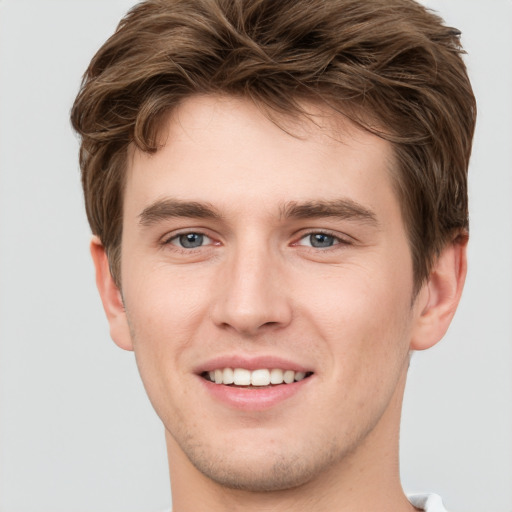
x: 279, y: 201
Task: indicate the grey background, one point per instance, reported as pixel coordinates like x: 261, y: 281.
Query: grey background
x: 77, y: 433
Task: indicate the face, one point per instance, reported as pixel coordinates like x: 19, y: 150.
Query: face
x: 251, y: 255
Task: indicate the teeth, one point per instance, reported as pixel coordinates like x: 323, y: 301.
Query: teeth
x: 276, y: 376
x: 288, y: 376
x: 299, y: 376
x: 260, y: 377
x: 228, y: 376
x: 241, y: 377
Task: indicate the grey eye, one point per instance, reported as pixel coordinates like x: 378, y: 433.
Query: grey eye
x: 190, y: 240
x: 320, y: 240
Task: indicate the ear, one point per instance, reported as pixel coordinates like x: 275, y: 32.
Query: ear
x: 110, y: 297
x: 439, y: 297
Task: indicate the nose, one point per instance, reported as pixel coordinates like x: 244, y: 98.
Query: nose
x: 252, y: 296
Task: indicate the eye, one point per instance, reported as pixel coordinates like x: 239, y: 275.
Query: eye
x: 190, y: 240
x: 319, y: 240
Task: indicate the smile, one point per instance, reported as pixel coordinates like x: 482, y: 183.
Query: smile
x: 254, y: 378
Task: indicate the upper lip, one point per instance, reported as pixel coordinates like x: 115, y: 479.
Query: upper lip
x: 250, y: 363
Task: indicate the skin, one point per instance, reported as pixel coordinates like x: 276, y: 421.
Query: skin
x: 257, y: 287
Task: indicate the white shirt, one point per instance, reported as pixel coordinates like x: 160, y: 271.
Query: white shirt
x: 427, y: 502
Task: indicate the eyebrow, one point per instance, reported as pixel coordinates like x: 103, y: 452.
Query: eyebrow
x: 344, y: 209
x: 169, y: 208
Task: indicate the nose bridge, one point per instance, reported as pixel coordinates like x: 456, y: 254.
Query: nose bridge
x: 252, y: 293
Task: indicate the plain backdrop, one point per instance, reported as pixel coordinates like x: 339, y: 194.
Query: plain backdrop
x: 77, y: 433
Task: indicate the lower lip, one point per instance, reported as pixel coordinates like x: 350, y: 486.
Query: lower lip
x: 253, y: 399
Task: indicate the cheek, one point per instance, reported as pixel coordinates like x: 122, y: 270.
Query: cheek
x: 160, y: 330
x: 167, y: 314
x: 163, y: 297
x: 363, y: 316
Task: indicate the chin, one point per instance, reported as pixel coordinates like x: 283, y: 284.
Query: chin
x: 284, y: 474
x: 265, y: 470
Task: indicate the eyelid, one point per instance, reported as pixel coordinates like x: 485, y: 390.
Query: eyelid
x: 341, y: 239
x: 206, y: 240
x: 168, y: 238
x: 321, y: 231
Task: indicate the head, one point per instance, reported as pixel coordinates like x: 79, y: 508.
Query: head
x: 392, y: 68
x: 235, y: 157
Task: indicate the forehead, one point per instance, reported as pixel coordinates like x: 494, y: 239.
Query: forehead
x: 223, y: 148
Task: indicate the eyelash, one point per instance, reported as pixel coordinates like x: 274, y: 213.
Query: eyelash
x: 338, y: 241
x: 169, y: 240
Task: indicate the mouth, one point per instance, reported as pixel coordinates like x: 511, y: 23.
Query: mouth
x: 254, y: 379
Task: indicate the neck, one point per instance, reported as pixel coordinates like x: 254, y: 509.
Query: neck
x: 366, y: 479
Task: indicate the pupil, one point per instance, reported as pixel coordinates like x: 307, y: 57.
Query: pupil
x: 321, y: 240
x: 191, y: 240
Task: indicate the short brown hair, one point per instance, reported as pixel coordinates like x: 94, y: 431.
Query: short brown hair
x: 391, y: 66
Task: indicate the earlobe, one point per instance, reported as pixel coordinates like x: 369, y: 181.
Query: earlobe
x: 110, y: 297
x: 439, y: 297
